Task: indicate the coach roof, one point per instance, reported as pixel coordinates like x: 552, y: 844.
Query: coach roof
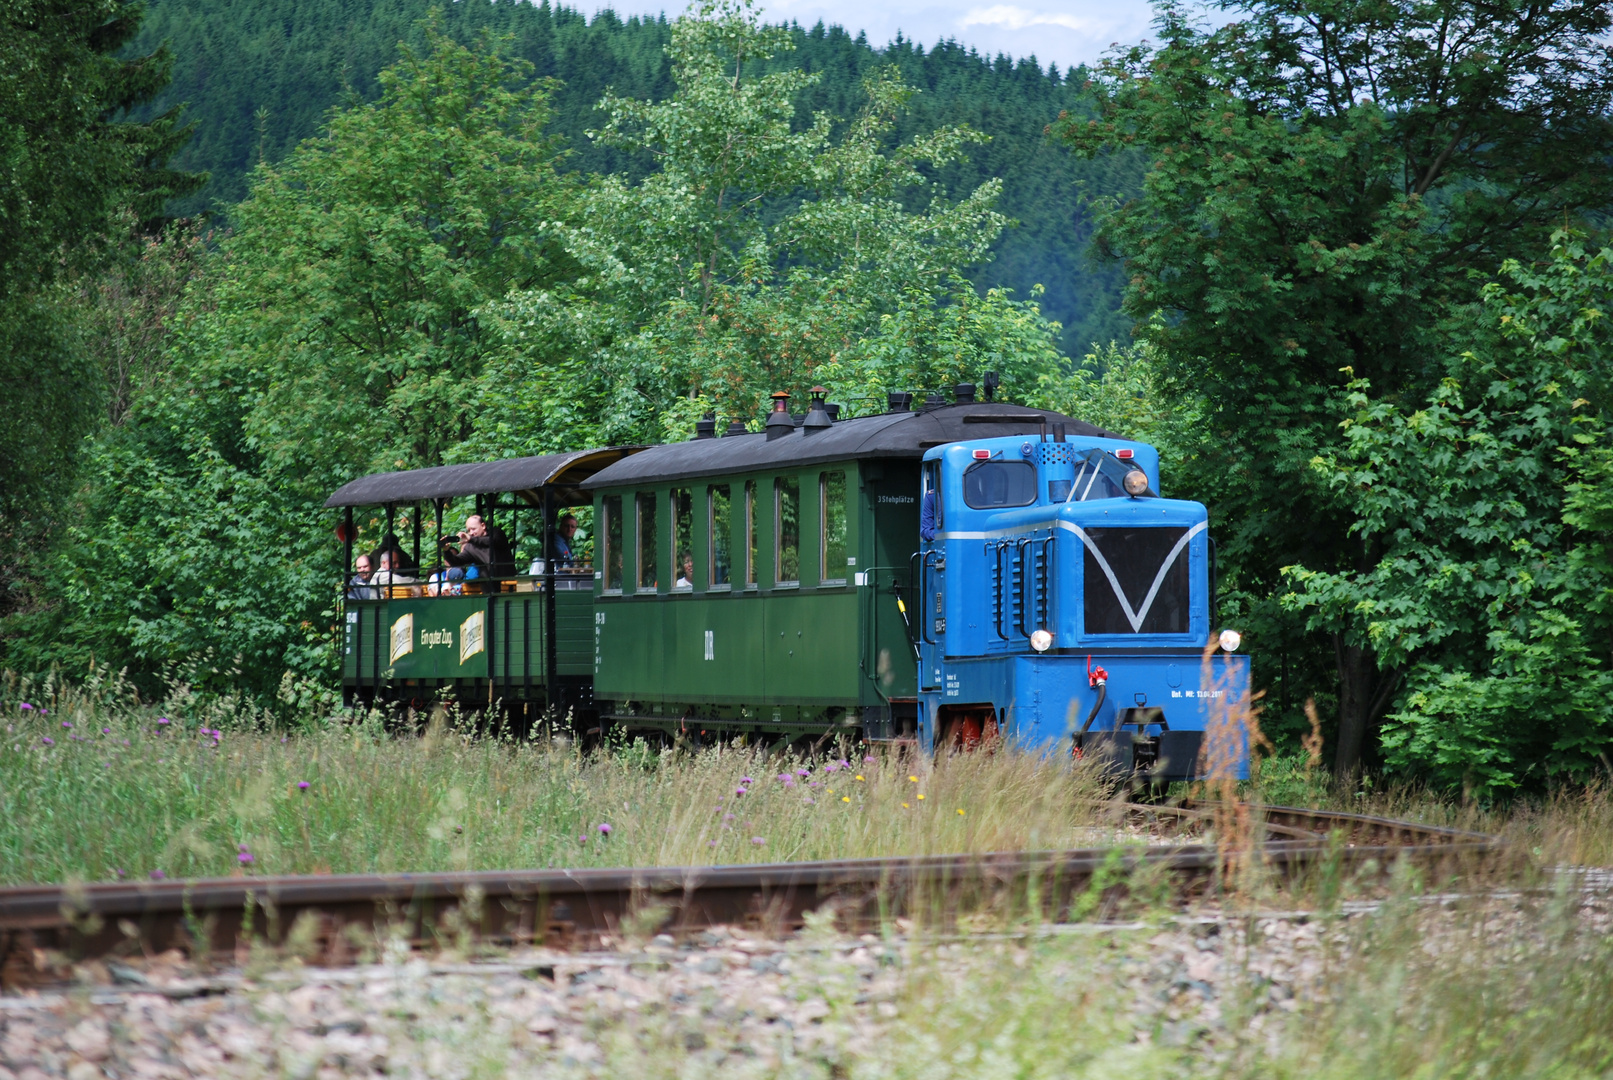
x: 521, y: 475
x: 885, y: 435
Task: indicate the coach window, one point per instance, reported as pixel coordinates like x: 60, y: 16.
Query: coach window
x: 611, y: 557
x: 832, y: 548
x: 682, y: 539
x: 646, y: 541
x: 750, y: 534
x: 786, y: 531
x: 720, y: 530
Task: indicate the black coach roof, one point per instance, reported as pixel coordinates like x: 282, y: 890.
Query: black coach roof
x: 524, y: 476
x: 886, y: 435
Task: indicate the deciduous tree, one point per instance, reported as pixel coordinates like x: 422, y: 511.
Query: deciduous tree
x: 1327, y: 181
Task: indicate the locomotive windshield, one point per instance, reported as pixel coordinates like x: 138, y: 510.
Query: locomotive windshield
x: 988, y: 485
x: 1099, y: 475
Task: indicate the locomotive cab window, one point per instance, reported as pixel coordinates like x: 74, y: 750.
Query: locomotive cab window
x: 720, y: 530
x: 786, y: 531
x: 611, y: 557
x: 988, y: 485
x: 832, y: 547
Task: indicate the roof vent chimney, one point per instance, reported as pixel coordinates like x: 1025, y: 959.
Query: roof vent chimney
x: 934, y: 401
x: 990, y: 384
x: 779, y: 421
x: 735, y: 427
x: 706, y: 426
x: 898, y: 401
x: 834, y: 410
x: 964, y: 393
x: 817, y: 417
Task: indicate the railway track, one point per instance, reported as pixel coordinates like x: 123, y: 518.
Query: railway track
x: 335, y: 918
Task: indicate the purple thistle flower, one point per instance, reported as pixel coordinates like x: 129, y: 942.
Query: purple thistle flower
x: 788, y: 782
x: 43, y: 711
x: 803, y: 773
x: 844, y: 764
x: 728, y: 817
x: 757, y: 840
x: 784, y: 777
x: 831, y: 767
x: 162, y: 720
x: 119, y: 873
x: 711, y: 843
x: 302, y: 785
x: 48, y: 741
x: 870, y: 760
x: 746, y: 780
x: 125, y: 742
x: 157, y: 875
x: 106, y: 731
x: 604, y: 830
x: 810, y: 801
x: 244, y: 858
x: 67, y: 723
x: 739, y: 791
x: 27, y: 707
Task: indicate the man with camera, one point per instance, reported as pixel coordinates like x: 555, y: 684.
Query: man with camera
x: 480, y: 545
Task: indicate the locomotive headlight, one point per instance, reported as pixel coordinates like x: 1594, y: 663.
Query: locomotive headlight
x: 1230, y: 640
x: 1136, y: 482
x: 1041, y: 641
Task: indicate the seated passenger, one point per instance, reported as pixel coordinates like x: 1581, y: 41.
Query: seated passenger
x: 685, y: 572
x: 927, y: 516
x: 359, y: 588
x: 482, y: 547
x: 391, y: 572
x: 560, y: 549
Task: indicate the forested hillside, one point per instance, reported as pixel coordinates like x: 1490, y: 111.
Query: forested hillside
x: 258, y: 77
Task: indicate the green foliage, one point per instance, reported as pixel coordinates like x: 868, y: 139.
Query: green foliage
x: 259, y: 78
x: 768, y: 253
x: 1482, y: 517
x: 334, y: 334
x: 347, y: 300
x: 68, y: 165
x: 1326, y: 183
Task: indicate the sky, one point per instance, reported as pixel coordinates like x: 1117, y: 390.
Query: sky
x: 1066, y: 32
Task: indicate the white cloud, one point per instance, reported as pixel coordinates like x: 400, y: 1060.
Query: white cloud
x: 1010, y: 17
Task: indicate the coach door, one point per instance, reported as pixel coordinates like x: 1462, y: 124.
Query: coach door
x: 889, y: 654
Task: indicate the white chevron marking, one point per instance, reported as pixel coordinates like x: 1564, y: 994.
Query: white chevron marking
x: 1136, y: 618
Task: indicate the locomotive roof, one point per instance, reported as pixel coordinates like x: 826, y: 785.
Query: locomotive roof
x: 520, y: 475
x: 884, y: 435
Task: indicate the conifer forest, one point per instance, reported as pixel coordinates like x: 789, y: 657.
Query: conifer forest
x: 1346, y: 265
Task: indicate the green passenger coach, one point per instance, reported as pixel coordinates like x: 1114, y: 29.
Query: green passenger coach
x: 761, y: 583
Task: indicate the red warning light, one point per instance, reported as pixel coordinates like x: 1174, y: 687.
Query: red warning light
x: 982, y: 455
x: 1125, y: 454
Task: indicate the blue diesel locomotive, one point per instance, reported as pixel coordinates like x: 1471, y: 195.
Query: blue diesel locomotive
x: 1064, y: 602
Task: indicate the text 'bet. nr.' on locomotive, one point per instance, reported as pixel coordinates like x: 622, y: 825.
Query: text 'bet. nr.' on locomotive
x: 937, y: 575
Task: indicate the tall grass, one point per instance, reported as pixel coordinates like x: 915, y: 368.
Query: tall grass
x: 95, y: 787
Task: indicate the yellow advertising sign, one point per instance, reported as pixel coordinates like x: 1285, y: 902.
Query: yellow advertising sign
x: 402, y: 637
x: 471, y: 641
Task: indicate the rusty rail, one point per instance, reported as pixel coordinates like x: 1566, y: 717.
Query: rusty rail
x: 335, y: 917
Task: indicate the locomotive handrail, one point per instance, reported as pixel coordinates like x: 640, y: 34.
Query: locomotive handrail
x: 1045, y: 576
x: 925, y: 625
x: 996, y: 550
x: 1025, y: 582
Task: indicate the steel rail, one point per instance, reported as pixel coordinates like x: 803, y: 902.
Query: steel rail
x: 333, y: 917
